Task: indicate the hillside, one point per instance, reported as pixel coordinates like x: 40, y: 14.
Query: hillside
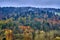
x: 34, y: 17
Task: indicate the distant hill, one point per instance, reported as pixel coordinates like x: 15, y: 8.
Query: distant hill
x: 9, y: 11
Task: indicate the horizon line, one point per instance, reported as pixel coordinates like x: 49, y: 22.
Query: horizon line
x: 29, y: 6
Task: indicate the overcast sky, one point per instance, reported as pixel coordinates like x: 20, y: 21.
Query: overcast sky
x: 33, y: 3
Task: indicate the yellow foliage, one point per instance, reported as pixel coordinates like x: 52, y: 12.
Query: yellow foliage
x: 57, y: 38
x: 9, y: 34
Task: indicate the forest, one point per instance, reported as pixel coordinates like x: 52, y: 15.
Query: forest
x: 29, y: 23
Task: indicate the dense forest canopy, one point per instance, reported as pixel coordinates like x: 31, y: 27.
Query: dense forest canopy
x: 48, y: 18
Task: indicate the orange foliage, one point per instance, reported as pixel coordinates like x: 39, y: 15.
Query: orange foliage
x: 24, y: 27
x: 9, y: 34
